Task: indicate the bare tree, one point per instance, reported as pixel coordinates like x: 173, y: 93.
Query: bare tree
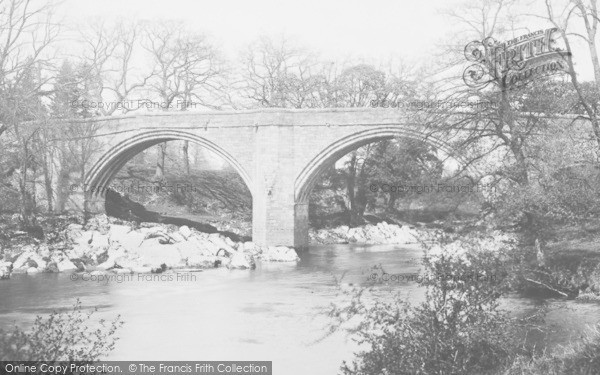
x: 278, y: 74
x: 582, y: 13
x: 26, y: 32
x: 110, y: 52
x: 187, y: 74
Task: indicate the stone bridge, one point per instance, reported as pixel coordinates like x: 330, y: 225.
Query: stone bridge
x: 279, y: 153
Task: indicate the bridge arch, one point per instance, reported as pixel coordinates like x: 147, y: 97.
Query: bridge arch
x: 325, y: 158
x: 109, y: 164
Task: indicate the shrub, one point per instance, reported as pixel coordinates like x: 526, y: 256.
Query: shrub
x: 457, y: 330
x: 65, y: 336
x: 579, y: 358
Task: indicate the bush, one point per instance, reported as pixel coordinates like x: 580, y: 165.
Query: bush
x: 580, y: 358
x: 63, y: 336
x: 457, y: 330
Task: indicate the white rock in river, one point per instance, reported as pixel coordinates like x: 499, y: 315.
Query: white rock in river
x: 22, y: 259
x: 153, y: 254
x: 279, y: 254
x: 219, y: 241
x: 32, y: 270
x: 141, y: 269
x: 201, y: 261
x: 185, y: 231
x: 66, y: 266
x: 239, y: 260
x: 116, y: 232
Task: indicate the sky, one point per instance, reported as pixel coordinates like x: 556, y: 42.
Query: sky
x: 338, y: 29
x: 374, y: 31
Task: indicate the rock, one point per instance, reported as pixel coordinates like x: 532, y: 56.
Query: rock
x: 185, y: 232
x: 38, y: 260
x: 249, y: 247
x: 99, y: 223
x: 405, y: 235
x: 110, y: 263
x: 52, y: 267
x: 239, y: 260
x: 5, y: 270
x: 177, y: 237
x: 33, y: 270
x: 122, y: 271
x: 66, y: 266
x: 279, y: 254
x: 201, y: 261
x: 160, y: 269
x: 132, y: 240
x: 220, y: 242
x: 141, y: 269
x: 195, y: 247
x: 153, y: 254
x: 23, y: 258
x: 98, y: 273
x: 117, y: 232
x: 44, y: 251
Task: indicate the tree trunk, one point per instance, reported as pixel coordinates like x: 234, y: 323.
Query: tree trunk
x: 186, y: 157
x: 160, y: 162
x: 48, y: 182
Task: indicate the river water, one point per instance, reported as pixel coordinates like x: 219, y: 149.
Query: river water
x: 274, y: 313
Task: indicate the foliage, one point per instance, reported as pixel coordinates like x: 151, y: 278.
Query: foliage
x: 63, y: 336
x: 578, y: 358
x: 457, y: 330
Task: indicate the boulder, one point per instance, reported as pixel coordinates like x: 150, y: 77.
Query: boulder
x: 52, y: 267
x: 44, y: 251
x: 33, y: 270
x: 249, y: 247
x: 38, y: 260
x: 153, y: 254
x: 110, y: 263
x: 239, y: 260
x: 201, y: 261
x: 23, y: 258
x: 132, y: 240
x: 122, y: 271
x: 405, y: 235
x: 185, y: 232
x: 220, y: 242
x: 100, y: 241
x: 116, y: 232
x: 98, y: 273
x: 99, y: 223
x: 159, y: 269
x: 66, y: 266
x: 140, y: 269
x: 279, y: 254
x: 177, y: 237
x: 196, y: 247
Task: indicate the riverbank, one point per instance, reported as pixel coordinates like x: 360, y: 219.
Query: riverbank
x: 381, y: 233
x: 111, y: 245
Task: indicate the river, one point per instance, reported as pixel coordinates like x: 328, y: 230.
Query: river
x: 273, y: 313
